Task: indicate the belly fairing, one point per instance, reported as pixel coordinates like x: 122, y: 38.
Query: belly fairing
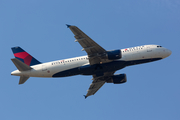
x: 101, y: 68
x: 92, y: 69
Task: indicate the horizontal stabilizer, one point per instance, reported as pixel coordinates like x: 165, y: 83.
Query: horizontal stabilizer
x: 23, y: 79
x: 20, y: 65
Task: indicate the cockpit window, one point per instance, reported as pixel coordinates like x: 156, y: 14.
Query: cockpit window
x: 159, y: 46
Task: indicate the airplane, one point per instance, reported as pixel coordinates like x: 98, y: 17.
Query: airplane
x: 100, y: 63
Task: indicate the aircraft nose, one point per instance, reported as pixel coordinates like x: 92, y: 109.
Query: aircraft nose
x: 167, y: 52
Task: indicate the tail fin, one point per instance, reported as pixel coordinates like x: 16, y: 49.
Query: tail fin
x: 23, y: 56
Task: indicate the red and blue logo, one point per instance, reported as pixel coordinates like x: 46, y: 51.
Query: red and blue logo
x: 25, y: 57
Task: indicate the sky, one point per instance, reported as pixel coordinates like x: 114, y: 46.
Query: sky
x: 38, y: 26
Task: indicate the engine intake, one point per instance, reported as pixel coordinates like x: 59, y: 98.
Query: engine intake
x: 113, y: 54
x: 118, y: 79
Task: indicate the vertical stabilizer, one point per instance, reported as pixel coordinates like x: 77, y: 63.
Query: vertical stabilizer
x: 25, y: 57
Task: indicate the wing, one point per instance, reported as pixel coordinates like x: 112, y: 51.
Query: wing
x: 94, y: 87
x: 93, y: 50
x: 97, y: 83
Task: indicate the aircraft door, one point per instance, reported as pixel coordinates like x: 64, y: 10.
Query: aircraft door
x: 44, y: 68
x: 149, y: 49
x: 150, y: 53
x: 136, y: 55
x: 45, y: 71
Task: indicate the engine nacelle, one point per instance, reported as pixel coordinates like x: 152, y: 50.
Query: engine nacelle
x: 113, y: 54
x: 118, y: 79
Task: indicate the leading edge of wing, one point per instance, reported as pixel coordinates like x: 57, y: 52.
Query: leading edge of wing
x: 94, y: 87
x: 89, y: 45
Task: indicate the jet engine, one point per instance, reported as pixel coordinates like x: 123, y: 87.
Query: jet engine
x: 118, y: 79
x: 113, y: 55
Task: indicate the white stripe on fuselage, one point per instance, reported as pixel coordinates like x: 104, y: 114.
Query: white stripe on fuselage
x: 135, y: 53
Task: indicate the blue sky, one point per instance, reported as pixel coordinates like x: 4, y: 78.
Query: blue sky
x: 152, y: 90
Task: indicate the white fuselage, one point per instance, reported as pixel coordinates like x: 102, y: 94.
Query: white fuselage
x: 139, y: 53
